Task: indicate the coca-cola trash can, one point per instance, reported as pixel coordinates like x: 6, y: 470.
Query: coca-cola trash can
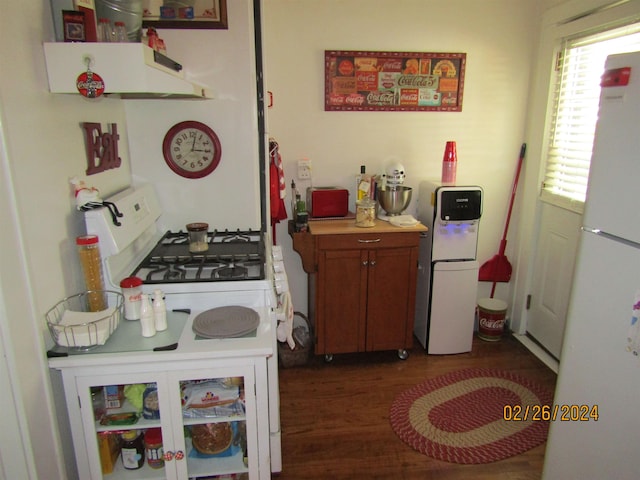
x: 491, y: 316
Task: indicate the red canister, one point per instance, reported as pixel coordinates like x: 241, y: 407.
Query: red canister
x: 491, y: 316
x: 132, y: 292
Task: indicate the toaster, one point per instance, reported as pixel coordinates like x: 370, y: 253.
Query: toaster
x: 327, y: 202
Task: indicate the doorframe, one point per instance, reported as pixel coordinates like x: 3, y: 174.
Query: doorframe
x: 567, y: 18
x: 16, y: 452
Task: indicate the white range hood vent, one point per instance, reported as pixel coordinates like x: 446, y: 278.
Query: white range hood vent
x: 127, y: 69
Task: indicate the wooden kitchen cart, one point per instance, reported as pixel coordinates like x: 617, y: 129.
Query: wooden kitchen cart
x: 362, y: 285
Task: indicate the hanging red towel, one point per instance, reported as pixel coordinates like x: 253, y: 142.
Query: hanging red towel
x: 277, y: 187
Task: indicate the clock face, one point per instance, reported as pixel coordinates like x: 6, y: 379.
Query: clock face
x: 191, y: 149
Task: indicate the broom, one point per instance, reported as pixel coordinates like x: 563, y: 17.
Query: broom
x: 498, y: 268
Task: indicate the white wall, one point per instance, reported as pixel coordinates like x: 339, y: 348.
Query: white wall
x: 224, y: 60
x: 499, y: 38
x: 44, y: 146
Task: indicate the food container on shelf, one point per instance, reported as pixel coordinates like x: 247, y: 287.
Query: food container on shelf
x: 73, y: 325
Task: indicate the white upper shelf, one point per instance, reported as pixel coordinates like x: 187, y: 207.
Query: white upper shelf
x: 127, y: 69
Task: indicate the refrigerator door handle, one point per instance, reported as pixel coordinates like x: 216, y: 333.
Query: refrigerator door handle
x: 615, y: 238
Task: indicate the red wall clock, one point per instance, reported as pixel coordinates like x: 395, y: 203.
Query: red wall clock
x: 191, y: 149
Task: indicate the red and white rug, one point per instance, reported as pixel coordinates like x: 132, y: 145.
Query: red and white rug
x: 461, y: 418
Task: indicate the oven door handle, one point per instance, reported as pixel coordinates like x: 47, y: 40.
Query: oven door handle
x: 173, y: 346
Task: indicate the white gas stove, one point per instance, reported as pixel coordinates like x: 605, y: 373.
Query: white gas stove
x: 237, y: 269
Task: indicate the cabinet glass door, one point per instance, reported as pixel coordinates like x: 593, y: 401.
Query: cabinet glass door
x: 217, y: 426
x: 126, y: 420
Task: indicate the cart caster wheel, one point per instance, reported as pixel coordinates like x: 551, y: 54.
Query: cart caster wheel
x: 328, y: 358
x: 403, y: 354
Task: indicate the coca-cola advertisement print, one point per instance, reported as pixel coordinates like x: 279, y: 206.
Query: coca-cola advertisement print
x: 393, y: 81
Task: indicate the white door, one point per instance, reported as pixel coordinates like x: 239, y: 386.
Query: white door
x: 553, y: 276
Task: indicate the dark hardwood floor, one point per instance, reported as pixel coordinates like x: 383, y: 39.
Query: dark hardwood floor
x: 335, y: 416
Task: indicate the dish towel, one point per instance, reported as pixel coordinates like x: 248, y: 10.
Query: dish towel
x: 285, y: 320
x: 277, y: 186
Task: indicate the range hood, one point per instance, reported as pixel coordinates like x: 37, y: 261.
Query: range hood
x: 130, y: 70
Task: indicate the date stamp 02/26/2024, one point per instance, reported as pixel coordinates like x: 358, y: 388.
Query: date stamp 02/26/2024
x: 545, y: 413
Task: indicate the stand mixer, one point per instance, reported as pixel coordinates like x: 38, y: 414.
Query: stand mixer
x: 393, y: 197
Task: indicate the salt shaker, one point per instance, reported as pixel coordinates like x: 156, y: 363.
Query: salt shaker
x: 159, y: 311
x: 147, y: 322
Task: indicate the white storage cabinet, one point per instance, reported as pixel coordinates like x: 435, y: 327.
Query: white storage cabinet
x: 182, y: 462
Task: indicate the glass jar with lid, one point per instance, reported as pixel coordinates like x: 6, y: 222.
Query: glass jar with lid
x: 198, y: 237
x: 153, y: 448
x: 132, y: 450
x: 89, y: 252
x: 365, y: 213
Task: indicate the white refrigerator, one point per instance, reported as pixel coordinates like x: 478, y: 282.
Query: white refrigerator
x: 599, y: 375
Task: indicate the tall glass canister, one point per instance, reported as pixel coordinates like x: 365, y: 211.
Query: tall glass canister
x: 90, y: 260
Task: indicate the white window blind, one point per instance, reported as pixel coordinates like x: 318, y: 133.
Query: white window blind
x: 576, y: 99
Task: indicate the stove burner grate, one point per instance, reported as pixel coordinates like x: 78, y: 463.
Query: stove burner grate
x: 232, y: 271
x: 231, y: 256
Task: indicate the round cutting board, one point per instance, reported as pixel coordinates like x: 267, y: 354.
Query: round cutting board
x: 226, y: 322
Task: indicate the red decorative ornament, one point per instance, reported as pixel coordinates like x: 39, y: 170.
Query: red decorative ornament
x: 90, y: 84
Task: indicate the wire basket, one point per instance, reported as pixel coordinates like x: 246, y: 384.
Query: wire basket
x: 74, y: 325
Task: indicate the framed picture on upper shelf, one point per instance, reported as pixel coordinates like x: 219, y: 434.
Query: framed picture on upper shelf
x: 202, y: 14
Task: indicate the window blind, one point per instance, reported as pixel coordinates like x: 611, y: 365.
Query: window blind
x: 576, y: 95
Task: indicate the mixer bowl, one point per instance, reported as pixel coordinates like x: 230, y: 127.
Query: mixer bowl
x: 394, y: 200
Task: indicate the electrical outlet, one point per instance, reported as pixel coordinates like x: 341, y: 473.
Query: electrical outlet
x: 304, y: 169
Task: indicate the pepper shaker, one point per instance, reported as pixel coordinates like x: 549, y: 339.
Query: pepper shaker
x: 147, y: 322
x: 159, y: 311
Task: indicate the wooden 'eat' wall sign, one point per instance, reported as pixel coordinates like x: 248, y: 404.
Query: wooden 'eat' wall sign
x: 102, y: 147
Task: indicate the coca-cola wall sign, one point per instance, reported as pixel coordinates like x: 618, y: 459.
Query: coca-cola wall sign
x: 393, y: 81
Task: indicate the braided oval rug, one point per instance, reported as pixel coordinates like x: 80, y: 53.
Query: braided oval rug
x: 460, y: 417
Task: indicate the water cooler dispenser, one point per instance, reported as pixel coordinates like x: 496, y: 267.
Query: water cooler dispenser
x: 447, y: 286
